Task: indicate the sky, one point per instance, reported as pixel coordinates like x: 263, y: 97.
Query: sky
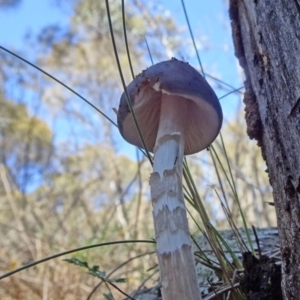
x: 208, y: 19
x: 28, y: 16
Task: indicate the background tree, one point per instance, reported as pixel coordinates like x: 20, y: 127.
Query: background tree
x: 266, y: 37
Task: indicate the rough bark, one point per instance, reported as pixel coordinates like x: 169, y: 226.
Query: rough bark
x: 267, y: 43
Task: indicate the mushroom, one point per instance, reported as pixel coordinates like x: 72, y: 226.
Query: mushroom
x: 178, y: 113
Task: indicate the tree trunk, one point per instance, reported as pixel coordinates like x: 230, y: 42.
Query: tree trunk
x: 267, y: 43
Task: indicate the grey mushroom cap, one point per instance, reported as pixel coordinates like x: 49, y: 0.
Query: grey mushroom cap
x: 173, y: 77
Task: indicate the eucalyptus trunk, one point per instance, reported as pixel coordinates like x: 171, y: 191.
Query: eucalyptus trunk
x: 267, y: 43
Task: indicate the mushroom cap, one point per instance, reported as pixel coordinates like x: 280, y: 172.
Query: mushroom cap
x: 173, y: 77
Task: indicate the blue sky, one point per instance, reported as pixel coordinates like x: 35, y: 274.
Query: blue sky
x: 29, y: 16
x: 209, y: 22
x: 208, y: 19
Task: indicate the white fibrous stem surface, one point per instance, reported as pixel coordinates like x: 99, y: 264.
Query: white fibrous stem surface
x: 176, y: 261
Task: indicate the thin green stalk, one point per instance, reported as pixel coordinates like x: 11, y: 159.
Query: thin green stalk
x: 229, y: 93
x: 189, y: 180
x: 203, y: 255
x: 212, y: 235
x: 221, y: 81
x: 228, y: 164
x: 213, y: 152
x: 125, y: 38
x: 221, y: 241
x: 235, y: 193
x: 149, y: 52
x: 117, y: 288
x: 72, y: 251
x: 116, y: 269
x: 192, y: 37
x: 60, y: 82
x: 219, y: 178
x: 187, y: 195
x: 128, y: 55
x: 232, y: 225
x: 123, y: 81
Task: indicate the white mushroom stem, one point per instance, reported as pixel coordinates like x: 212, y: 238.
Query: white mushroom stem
x: 176, y: 261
